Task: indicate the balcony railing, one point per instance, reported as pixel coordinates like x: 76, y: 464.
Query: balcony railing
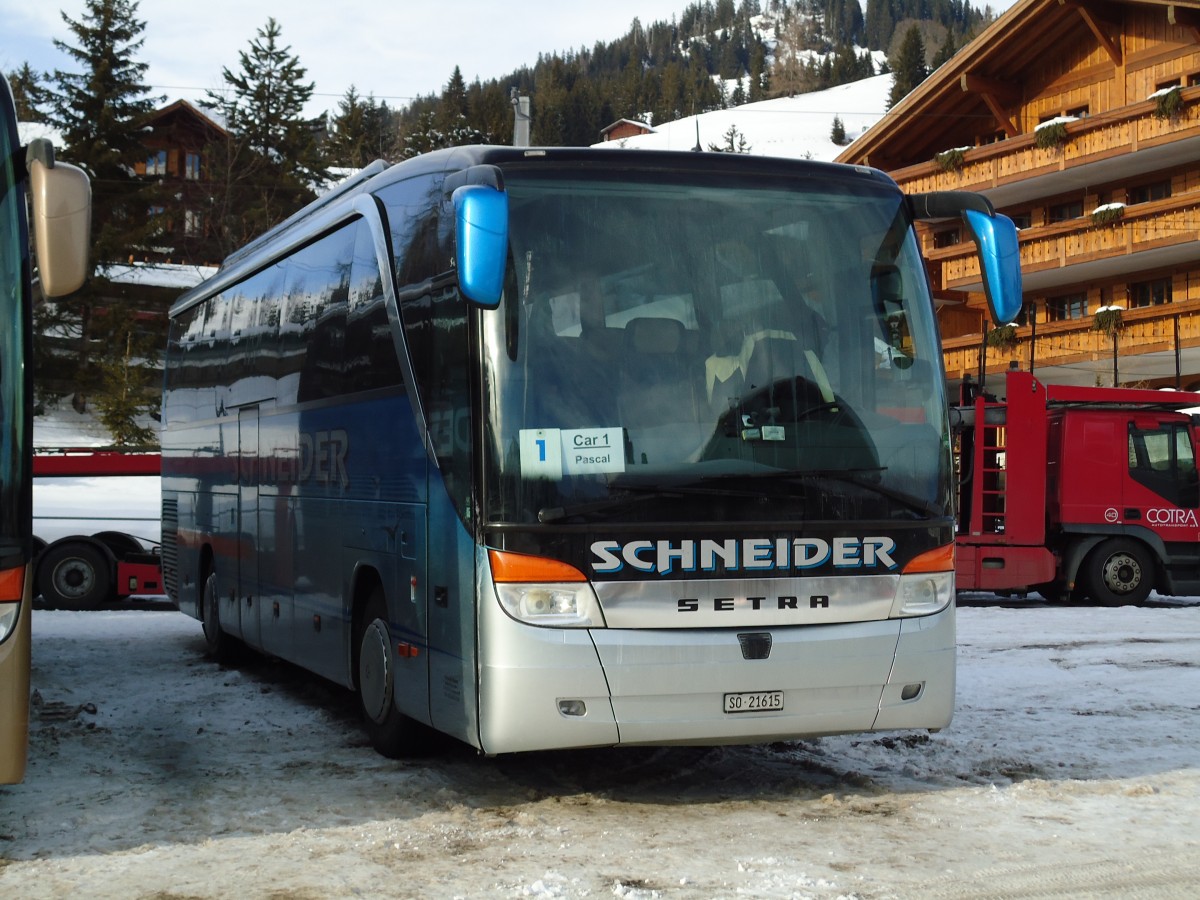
x: 1144, y: 226
x: 1145, y: 330
x: 1089, y: 139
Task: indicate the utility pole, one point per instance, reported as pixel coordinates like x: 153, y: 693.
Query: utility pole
x: 521, y: 119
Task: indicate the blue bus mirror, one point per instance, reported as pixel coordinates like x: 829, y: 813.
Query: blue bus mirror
x: 999, y: 262
x: 481, y: 219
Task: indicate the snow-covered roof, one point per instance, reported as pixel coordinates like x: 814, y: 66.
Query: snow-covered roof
x: 170, y: 275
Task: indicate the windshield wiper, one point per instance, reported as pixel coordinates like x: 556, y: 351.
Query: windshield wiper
x: 636, y: 494
x: 856, y: 477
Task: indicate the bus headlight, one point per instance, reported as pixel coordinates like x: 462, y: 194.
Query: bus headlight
x: 544, y: 591
x: 9, y: 613
x: 926, y: 584
x: 554, y: 605
x: 923, y: 594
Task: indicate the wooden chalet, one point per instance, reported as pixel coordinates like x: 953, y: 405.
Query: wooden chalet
x: 1080, y: 121
x: 624, y: 128
x: 177, y: 138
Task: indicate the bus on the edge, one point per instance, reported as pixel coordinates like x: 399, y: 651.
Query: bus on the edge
x: 61, y: 212
x: 567, y: 448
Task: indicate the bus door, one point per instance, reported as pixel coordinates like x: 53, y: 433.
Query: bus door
x: 249, y: 600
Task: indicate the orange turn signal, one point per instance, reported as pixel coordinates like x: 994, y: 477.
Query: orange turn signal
x: 939, y: 559
x: 517, y: 568
x: 12, y: 585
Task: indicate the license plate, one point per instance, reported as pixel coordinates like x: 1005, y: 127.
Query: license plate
x: 754, y: 701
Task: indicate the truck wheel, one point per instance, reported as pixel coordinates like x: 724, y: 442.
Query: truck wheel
x: 1119, y: 572
x: 74, y: 576
x: 392, y: 734
x: 219, y: 644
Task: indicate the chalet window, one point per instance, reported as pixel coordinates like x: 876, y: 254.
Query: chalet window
x: 1027, y: 315
x: 1144, y: 193
x: 156, y: 163
x: 193, y: 224
x: 947, y: 238
x: 1062, y: 309
x: 1193, y: 79
x: 156, y: 216
x: 1062, y: 212
x: 1022, y: 219
x: 1150, y: 293
x: 191, y: 166
x: 1079, y: 112
x: 1170, y: 83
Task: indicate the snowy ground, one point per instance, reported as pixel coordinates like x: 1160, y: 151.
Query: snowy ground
x: 1071, y: 769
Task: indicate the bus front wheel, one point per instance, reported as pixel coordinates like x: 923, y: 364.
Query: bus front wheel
x: 392, y: 733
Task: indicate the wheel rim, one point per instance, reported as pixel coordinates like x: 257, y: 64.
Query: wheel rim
x: 1122, y: 573
x: 374, y: 671
x: 74, y: 578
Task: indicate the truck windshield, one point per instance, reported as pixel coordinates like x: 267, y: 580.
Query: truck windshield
x: 677, y: 348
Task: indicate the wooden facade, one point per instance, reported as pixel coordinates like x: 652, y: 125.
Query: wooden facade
x: 1081, y: 121
x: 178, y: 138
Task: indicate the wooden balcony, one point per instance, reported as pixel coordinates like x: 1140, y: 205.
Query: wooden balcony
x: 1093, y: 139
x: 1148, y: 333
x: 1158, y: 225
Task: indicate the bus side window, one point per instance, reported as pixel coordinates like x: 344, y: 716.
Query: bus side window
x: 371, y: 353
x: 321, y: 274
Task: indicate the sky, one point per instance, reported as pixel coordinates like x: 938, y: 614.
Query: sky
x: 395, y: 51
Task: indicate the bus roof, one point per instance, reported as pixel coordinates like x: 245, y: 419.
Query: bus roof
x: 379, y: 174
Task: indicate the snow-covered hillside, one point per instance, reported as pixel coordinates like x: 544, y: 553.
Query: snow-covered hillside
x: 798, y: 127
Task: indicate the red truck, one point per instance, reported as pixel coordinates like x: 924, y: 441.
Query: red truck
x: 96, y: 520
x: 1077, y: 492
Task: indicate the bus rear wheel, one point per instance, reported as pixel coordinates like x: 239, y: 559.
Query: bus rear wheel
x: 218, y: 643
x: 1119, y: 572
x: 392, y: 734
x: 74, y: 576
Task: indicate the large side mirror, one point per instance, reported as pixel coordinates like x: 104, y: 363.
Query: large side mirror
x: 62, y: 220
x: 481, y: 218
x: 999, y: 262
x: 995, y: 238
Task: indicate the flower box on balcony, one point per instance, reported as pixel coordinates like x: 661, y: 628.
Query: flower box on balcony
x: 1108, y: 214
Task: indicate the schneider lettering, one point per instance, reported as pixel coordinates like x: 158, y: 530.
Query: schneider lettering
x: 749, y: 554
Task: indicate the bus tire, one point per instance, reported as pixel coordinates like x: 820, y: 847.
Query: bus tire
x: 74, y: 576
x: 219, y: 644
x: 392, y: 733
x: 1119, y: 572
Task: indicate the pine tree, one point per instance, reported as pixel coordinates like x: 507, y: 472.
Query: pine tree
x: 30, y: 94
x: 735, y: 142
x: 908, y: 69
x: 360, y: 133
x: 264, y: 104
x: 131, y: 382
x: 838, y: 132
x: 270, y: 163
x: 946, y: 51
x: 100, y: 111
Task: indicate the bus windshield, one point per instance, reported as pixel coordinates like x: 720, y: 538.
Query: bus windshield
x: 685, y: 347
x: 14, y: 281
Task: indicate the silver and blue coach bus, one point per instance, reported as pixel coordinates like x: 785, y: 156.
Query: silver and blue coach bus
x: 53, y: 200
x: 565, y: 448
